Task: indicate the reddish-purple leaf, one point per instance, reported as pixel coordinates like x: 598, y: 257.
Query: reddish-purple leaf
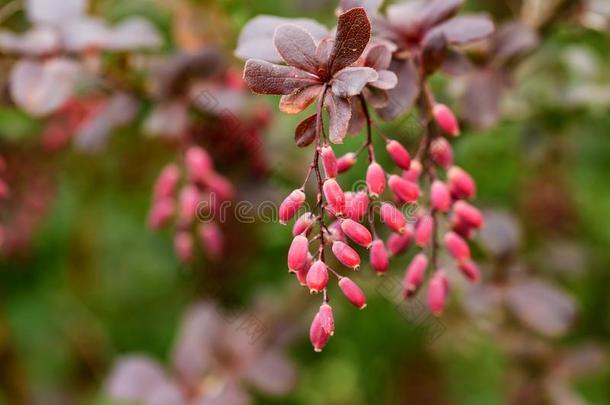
x: 133, y: 33
x: 266, y: 78
x: 132, y: 378
x: 512, y: 40
x: 376, y: 97
x: 351, y: 80
x: 296, y: 47
x: 300, y: 99
x: 378, y: 57
x: 404, y: 94
x: 353, y: 34
x: 340, y: 112
x: 272, y: 373
x: 39, y: 40
x: 305, y: 133
x: 358, y: 119
x: 386, y: 80
x: 542, y: 307
x: 256, y: 38
x: 435, y: 49
x: 435, y: 11
x: 54, y: 12
x: 456, y: 63
x: 464, y: 29
x: 482, y: 98
x: 41, y: 88
x: 371, y: 6
x: 501, y: 234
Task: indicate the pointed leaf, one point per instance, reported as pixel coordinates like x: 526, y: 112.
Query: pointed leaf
x: 353, y: 34
x: 351, y: 80
x: 464, y: 29
x: 256, y: 38
x: 266, y: 78
x: 296, y: 47
x: 305, y: 133
x: 300, y: 99
x: 340, y: 112
x: 404, y: 94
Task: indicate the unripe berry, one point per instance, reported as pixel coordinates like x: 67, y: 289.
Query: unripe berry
x: 379, y: 257
x: 357, y: 232
x: 212, y: 240
x: 441, y: 152
x: 317, y: 334
x: 346, y: 255
x: 346, y: 162
x: 399, y: 154
x: 167, y: 181
x: 183, y: 245
x: 189, y: 200
x: 414, y: 171
x: 414, y: 275
x: 317, y: 277
x: 291, y: 205
x: 438, y: 290
x: 440, y: 198
x: 327, y: 319
x: 470, y: 270
x: 329, y: 161
x: 198, y: 163
x: 446, y: 119
x: 161, y: 212
x: 423, y: 230
x: 352, y: 292
x: 334, y: 197
x: 468, y: 214
x: 392, y: 217
x: 457, y: 247
x: 461, y: 184
x: 398, y: 244
x: 303, y: 225
x: 297, y: 253
x: 357, y: 206
x: 404, y: 190
x: 375, y: 179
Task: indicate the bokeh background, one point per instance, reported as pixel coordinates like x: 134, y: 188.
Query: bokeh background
x: 84, y: 282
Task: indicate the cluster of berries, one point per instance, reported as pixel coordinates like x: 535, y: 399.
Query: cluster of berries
x: 193, y: 207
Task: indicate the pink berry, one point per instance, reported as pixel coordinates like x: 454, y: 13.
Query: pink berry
x: 352, y: 292
x: 297, y: 253
x: 183, y: 245
x: 392, y: 217
x: 317, y: 277
x: 346, y: 255
x: 399, y: 154
x: 161, y: 212
x: 414, y: 171
x: 302, y: 273
x: 423, y: 230
x: 329, y: 161
x: 189, y: 201
x: 398, y: 244
x: 468, y: 214
x: 440, y: 197
x: 334, y: 197
x: 198, y: 163
x: 291, y: 205
x: 457, y: 247
x: 379, y: 257
x: 326, y: 316
x: 336, y: 233
x: 470, y: 270
x: 414, y: 275
x: 346, y: 162
x: 461, y: 184
x: 438, y: 290
x: 220, y: 186
x: 375, y: 179
x: 303, y: 224
x: 212, y: 239
x: 446, y: 119
x: 318, y: 334
x: 441, y: 152
x: 357, y: 206
x: 357, y: 232
x: 404, y: 190
x: 167, y: 181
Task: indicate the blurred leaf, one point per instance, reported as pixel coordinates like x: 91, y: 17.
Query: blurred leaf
x: 16, y: 125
